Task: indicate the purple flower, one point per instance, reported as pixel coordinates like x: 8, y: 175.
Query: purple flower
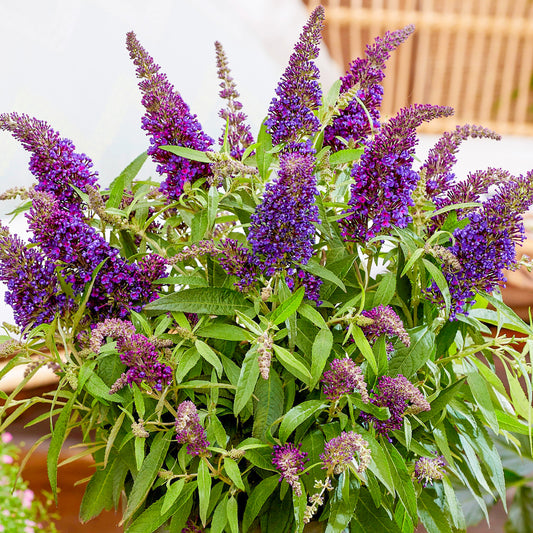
x: 310, y: 283
x: 189, y: 431
x: 298, y: 94
x: 282, y: 228
x: 386, y: 322
x: 54, y: 161
x: 236, y: 260
x: 290, y: 462
x: 110, y: 327
x: 239, y: 136
x: 33, y: 289
x: 341, y: 451
x: 441, y: 158
x: 79, y: 249
x: 384, y: 178
x: 485, y: 247
x: 429, y: 469
x: 167, y: 121
x: 344, y: 377
x: 401, y: 397
x: 142, y: 359
x: 361, y: 115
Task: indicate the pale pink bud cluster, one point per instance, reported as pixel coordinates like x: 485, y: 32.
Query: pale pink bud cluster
x: 264, y: 349
x: 344, y: 377
x: 342, y: 451
x: 110, y: 327
x: 189, y: 431
x: 429, y: 469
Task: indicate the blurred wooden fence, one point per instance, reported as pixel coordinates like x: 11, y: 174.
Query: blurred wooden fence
x: 474, y: 55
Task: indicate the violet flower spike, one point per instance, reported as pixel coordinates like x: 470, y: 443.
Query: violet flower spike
x: 344, y: 377
x: 384, y: 179
x: 33, y: 289
x: 168, y: 121
x: 340, y: 452
x: 110, y: 327
x: 239, y: 135
x: 290, y: 115
x: 54, y: 161
x: 290, y: 462
x: 189, y: 431
x: 352, y: 124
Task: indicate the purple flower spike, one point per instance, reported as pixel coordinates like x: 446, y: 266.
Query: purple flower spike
x: 344, y: 377
x: 239, y: 136
x: 429, y: 469
x: 110, y: 327
x: 401, y: 397
x: 167, y: 121
x: 33, y: 289
x: 341, y: 451
x: 486, y: 246
x: 189, y: 431
x: 141, y: 358
x: 282, y: 228
x: 386, y: 322
x: 384, y: 178
x: 54, y: 161
x: 290, y: 462
x: 353, y: 122
x: 298, y: 94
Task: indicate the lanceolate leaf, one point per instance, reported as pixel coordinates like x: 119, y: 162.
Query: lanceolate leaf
x: 203, y: 300
x: 408, y: 359
x: 297, y: 415
x: 259, y: 496
x: 269, y: 405
x: 247, y: 381
x: 296, y: 367
x: 287, y: 308
x: 368, y: 517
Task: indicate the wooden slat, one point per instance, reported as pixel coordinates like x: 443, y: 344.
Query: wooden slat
x: 524, y: 97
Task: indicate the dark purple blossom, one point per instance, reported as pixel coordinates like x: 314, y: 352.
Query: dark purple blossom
x: 441, y: 158
x: 384, y: 179
x: 290, y: 462
x: 385, y: 322
x: 142, y: 359
x: 236, y: 260
x: 189, y: 431
x: 429, y: 469
x: 33, y: 289
x: 357, y: 120
x: 401, y: 397
x: 344, y: 377
x: 290, y: 115
x: 78, y: 249
x: 282, y: 228
x: 239, y: 135
x: 300, y: 278
x: 54, y: 161
x: 341, y: 451
x: 167, y: 121
x: 485, y: 247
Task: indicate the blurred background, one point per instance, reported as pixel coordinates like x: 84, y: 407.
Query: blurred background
x: 65, y: 61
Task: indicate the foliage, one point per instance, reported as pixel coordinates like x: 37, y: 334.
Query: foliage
x: 296, y: 327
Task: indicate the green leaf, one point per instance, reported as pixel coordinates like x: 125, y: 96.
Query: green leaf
x: 226, y: 332
x: 343, y: 504
x: 148, y: 472
x: 269, y: 404
x: 152, y: 518
x: 511, y: 319
x: 234, y: 473
x: 287, y: 308
x: 232, y: 512
x: 187, y: 153
x: 123, y: 182
x: 172, y: 494
x: 201, y: 300
x: 386, y: 289
x: 209, y: 355
x: 312, y: 315
x: 368, y: 517
x: 97, y: 388
x: 204, y: 489
x: 247, y: 380
x: 442, y: 400
x: 345, y: 156
x: 408, y: 359
x: 297, y: 415
x: 365, y: 348
x: 186, y: 362
x: 263, y: 155
x: 59, y: 434
x: 322, y: 272
x: 98, y: 494
x: 438, y: 277
x: 431, y: 515
x: 257, y: 499
x: 319, y: 354
x: 481, y: 394
x: 292, y: 364
x: 521, y: 511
